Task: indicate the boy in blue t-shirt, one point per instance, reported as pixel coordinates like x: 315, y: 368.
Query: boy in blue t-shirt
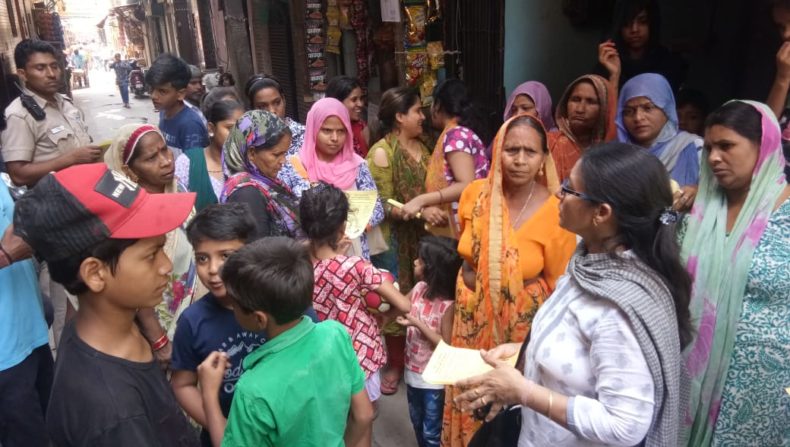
x: 182, y: 126
x: 208, y: 324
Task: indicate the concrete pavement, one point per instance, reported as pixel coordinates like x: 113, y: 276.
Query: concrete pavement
x: 392, y: 427
x: 104, y: 112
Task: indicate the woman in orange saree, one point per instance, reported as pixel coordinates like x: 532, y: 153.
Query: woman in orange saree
x: 585, y: 113
x: 514, y: 252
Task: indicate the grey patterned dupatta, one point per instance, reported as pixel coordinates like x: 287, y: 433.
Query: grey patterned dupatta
x: 643, y: 297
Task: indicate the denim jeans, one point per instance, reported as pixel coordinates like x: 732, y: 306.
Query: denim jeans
x: 124, y: 88
x: 24, y: 394
x: 425, y: 410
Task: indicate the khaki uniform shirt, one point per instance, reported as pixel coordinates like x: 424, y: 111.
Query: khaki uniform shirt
x: 26, y: 139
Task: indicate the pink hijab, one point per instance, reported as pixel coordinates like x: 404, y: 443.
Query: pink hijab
x: 539, y: 94
x: 342, y: 171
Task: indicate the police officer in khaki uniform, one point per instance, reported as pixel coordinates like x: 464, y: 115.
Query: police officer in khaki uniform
x: 44, y: 132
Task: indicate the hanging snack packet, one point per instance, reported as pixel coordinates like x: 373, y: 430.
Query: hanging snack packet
x: 427, y: 84
x: 317, y: 79
x: 415, y: 27
x: 333, y: 35
x: 435, y: 55
x: 416, y: 65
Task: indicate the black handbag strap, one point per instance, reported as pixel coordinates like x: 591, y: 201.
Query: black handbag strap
x: 522, y: 351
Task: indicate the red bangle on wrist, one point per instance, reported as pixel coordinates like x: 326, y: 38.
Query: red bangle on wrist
x: 160, y: 343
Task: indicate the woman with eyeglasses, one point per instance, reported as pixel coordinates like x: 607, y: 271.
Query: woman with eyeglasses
x: 265, y: 92
x: 513, y: 247
x: 603, y: 360
x: 647, y: 117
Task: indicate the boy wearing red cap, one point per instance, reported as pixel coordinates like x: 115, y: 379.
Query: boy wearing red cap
x: 102, y: 236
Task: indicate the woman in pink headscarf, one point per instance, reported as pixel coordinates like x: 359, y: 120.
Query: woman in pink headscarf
x: 327, y: 155
x: 531, y: 98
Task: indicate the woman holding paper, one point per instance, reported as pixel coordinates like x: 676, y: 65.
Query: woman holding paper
x: 603, y: 364
x: 328, y: 155
x: 458, y: 158
x: 253, y: 154
x: 513, y: 247
x: 398, y: 162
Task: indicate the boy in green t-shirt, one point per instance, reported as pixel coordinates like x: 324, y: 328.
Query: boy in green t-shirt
x: 302, y: 387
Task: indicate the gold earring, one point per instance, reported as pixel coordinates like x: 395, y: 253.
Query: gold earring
x: 540, y: 173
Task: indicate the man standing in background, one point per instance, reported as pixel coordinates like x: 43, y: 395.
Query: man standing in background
x: 122, y: 70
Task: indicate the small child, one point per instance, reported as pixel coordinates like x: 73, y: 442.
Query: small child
x: 304, y: 386
x: 429, y: 321
x: 208, y: 325
x: 182, y: 126
x: 692, y: 109
x: 341, y: 282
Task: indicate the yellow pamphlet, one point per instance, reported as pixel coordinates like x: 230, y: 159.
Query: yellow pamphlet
x: 397, y: 204
x: 787, y: 390
x: 449, y: 364
x: 361, y: 205
x: 104, y: 145
x: 675, y: 186
x: 436, y: 231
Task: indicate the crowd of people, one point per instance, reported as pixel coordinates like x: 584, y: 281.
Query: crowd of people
x: 629, y: 246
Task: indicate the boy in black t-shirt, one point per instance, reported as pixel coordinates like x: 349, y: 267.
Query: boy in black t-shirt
x: 209, y: 325
x: 103, y: 237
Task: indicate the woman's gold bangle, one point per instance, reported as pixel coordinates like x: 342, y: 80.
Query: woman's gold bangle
x: 551, y: 401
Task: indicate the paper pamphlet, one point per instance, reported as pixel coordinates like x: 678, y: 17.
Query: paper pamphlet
x: 104, y: 145
x: 361, y: 205
x: 397, y: 204
x: 675, y: 186
x: 449, y: 364
x: 787, y: 390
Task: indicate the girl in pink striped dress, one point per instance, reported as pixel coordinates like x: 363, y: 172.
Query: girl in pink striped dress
x: 429, y: 321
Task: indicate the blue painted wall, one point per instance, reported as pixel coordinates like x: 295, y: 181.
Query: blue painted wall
x: 541, y: 45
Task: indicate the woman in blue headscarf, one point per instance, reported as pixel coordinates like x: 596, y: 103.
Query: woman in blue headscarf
x: 646, y: 117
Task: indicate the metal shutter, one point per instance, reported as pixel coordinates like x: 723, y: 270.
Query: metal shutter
x: 185, y: 31
x: 281, y: 52
x: 207, y: 33
x: 476, y: 29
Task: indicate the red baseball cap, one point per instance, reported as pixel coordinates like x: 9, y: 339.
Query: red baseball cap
x: 72, y: 210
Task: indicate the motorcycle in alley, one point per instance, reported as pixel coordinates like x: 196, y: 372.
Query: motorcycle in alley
x: 137, y: 81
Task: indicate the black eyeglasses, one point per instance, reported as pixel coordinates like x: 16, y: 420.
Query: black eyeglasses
x: 565, y: 189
